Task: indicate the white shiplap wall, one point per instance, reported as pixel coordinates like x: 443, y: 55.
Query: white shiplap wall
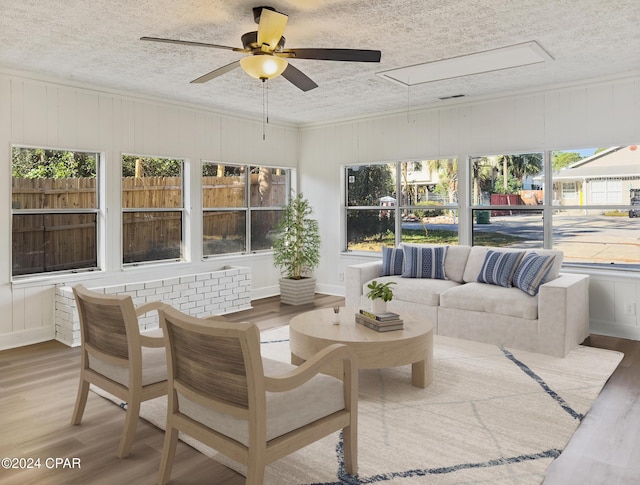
x: 39, y: 112
x: 597, y: 114
x: 44, y: 113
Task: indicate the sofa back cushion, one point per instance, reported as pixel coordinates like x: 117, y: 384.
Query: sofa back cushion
x: 554, y: 272
x: 392, y: 261
x: 454, y: 262
x: 422, y: 262
x: 499, y: 267
x: 478, y: 253
x: 531, y: 272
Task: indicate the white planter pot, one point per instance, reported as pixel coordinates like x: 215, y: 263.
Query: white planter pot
x: 378, y: 306
x: 297, y: 292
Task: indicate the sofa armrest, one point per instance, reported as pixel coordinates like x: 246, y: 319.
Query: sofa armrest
x: 563, y: 313
x: 356, y: 276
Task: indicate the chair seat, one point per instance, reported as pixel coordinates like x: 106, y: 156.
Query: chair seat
x: 286, y: 411
x: 154, y: 367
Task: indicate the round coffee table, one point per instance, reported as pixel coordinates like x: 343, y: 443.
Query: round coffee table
x: 312, y: 331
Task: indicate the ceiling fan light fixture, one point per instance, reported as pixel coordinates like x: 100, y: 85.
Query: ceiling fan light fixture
x: 263, y: 66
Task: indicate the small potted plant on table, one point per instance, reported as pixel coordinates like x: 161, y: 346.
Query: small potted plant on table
x: 380, y: 294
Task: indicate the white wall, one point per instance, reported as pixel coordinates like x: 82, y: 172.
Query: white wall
x: 35, y: 112
x: 596, y: 114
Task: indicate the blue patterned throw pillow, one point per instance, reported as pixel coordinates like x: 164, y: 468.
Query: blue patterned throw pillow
x: 421, y: 262
x: 531, y: 272
x: 498, y: 268
x: 392, y: 261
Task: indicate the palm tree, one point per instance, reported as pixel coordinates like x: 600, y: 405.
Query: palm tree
x: 519, y: 166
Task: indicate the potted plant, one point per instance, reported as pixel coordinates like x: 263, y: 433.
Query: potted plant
x: 296, y: 251
x: 380, y: 294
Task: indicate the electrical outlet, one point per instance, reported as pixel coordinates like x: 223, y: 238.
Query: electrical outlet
x: 340, y: 276
x: 630, y: 309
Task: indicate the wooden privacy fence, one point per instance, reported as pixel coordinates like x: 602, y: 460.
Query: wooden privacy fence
x: 52, y: 242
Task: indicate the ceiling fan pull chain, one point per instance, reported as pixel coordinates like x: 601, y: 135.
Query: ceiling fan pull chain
x: 263, y: 110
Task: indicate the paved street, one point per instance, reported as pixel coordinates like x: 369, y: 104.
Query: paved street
x: 585, y: 238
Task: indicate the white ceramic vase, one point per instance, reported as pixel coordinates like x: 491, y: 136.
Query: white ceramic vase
x: 378, y: 305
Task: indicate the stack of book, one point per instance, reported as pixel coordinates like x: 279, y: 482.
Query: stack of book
x: 380, y: 322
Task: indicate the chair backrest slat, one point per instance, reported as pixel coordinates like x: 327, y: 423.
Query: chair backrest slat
x: 106, y: 329
x: 103, y: 321
x: 213, y: 366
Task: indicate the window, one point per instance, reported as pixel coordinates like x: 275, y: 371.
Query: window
x: 54, y: 210
x: 569, y: 190
x: 242, y: 205
x: 152, y: 205
x: 413, y: 196
x: 597, y: 226
x: 606, y: 192
x: 504, y: 212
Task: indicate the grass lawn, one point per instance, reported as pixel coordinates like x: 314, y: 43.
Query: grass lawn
x: 482, y: 238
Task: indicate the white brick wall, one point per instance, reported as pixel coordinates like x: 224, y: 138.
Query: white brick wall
x: 227, y: 290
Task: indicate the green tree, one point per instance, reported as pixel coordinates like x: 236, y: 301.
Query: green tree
x: 134, y: 166
x: 514, y: 169
x: 40, y: 163
x: 447, y: 170
x: 366, y: 185
x: 481, y: 171
x: 564, y: 159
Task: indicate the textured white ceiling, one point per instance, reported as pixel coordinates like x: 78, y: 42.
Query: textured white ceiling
x: 97, y: 42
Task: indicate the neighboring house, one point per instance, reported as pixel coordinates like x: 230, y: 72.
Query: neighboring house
x: 601, y: 179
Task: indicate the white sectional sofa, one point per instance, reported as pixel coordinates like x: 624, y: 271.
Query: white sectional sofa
x: 552, y: 322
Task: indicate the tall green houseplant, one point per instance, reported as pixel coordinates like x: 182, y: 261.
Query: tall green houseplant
x: 296, y: 250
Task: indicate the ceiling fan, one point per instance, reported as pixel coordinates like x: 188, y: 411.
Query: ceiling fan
x: 268, y: 58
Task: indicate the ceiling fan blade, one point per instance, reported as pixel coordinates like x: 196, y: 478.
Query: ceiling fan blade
x: 298, y: 78
x: 188, y: 42
x: 354, y: 55
x: 217, y: 72
x: 271, y: 28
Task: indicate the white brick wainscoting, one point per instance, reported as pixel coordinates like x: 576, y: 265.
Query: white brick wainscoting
x: 227, y: 290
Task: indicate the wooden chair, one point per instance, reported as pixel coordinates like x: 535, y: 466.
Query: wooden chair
x: 254, y: 410
x: 117, y: 357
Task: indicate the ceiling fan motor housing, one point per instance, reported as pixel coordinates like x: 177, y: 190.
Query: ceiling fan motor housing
x: 250, y: 41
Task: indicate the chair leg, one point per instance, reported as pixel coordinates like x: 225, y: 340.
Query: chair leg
x: 168, y: 454
x: 256, y: 465
x: 350, y: 443
x: 129, y: 431
x: 81, y: 401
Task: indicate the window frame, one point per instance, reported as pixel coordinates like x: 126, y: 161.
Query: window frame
x: 247, y: 208
x: 137, y: 210
x: 401, y: 209
x: 97, y: 211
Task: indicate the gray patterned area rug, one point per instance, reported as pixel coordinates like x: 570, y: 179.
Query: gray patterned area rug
x: 491, y: 415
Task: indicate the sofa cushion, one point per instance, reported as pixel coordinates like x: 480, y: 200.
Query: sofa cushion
x: 477, y: 254
x: 491, y: 299
x: 531, y: 272
x: 454, y: 262
x: 320, y: 396
x: 554, y: 271
x: 416, y: 290
x: 392, y: 261
x: 498, y: 267
x: 424, y: 262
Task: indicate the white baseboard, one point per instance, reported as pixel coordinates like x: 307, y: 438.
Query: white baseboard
x: 334, y: 290
x: 27, y: 337
x: 614, y: 330
x: 265, y: 292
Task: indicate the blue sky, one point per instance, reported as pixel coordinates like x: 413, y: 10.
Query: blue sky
x: 585, y: 152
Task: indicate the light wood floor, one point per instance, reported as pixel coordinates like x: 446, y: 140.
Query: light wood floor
x: 38, y: 386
